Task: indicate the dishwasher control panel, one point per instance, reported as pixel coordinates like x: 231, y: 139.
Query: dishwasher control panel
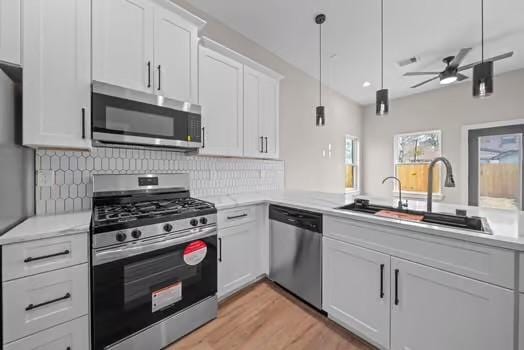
x: 296, y: 217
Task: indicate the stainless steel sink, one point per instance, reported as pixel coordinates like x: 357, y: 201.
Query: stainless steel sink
x: 473, y: 223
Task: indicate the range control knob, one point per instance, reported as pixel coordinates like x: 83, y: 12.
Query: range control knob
x: 203, y: 221
x: 194, y: 222
x: 136, y: 234
x: 168, y: 227
x: 121, y: 236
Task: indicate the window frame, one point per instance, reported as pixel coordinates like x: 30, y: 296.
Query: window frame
x: 355, y: 164
x: 414, y: 194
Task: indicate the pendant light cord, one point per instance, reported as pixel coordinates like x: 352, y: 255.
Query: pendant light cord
x: 482, y: 25
x: 382, y: 44
x: 320, y: 60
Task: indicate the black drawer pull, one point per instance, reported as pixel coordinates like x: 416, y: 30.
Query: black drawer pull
x: 220, y: 249
x: 83, y: 123
x: 396, y: 287
x: 381, y: 281
x: 29, y: 259
x: 236, y: 216
x: 34, y: 306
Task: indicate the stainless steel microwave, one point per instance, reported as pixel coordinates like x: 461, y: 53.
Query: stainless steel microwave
x: 125, y: 116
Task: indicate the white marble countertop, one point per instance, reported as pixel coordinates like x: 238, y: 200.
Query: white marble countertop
x: 503, y: 223
x: 38, y: 227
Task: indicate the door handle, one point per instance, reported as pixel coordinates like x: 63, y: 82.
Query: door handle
x: 35, y: 306
x: 219, y: 249
x: 397, y: 301
x: 148, y: 74
x: 83, y: 123
x: 266, y: 143
x: 381, y: 281
x: 203, y: 137
x: 159, y: 76
x: 30, y: 259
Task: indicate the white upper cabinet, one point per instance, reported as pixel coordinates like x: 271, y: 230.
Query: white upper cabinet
x: 123, y: 43
x: 269, y: 116
x: 221, y: 97
x: 57, y: 73
x: 435, y: 310
x: 146, y: 45
x: 10, y: 22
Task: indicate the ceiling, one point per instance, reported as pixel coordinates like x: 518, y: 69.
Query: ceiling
x: 427, y: 29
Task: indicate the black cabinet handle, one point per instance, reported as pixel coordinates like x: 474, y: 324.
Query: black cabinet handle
x: 261, y: 144
x: 159, y: 75
x: 266, y: 143
x: 203, y: 137
x: 236, y: 216
x: 34, y: 306
x: 148, y: 74
x: 83, y: 123
x: 29, y: 259
x: 381, y: 281
x: 220, y: 249
x: 396, y: 287
x: 68, y: 348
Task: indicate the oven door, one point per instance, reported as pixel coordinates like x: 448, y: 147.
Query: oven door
x: 126, y: 116
x: 137, y: 285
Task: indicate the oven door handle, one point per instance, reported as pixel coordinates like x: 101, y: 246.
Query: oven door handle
x: 102, y: 256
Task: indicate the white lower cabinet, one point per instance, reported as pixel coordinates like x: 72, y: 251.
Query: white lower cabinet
x: 236, y: 257
x: 356, y: 289
x: 436, y: 310
x: 72, y: 335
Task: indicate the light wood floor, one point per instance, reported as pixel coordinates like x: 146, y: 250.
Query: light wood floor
x: 265, y: 317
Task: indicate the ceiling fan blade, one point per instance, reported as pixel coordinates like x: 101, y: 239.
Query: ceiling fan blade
x: 460, y: 57
x: 420, y: 73
x: 461, y: 77
x: 424, y: 82
x: 492, y: 59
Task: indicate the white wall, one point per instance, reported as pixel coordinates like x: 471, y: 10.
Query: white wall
x: 446, y: 109
x: 301, y: 142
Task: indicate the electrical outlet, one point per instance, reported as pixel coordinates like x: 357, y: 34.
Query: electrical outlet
x: 45, y: 178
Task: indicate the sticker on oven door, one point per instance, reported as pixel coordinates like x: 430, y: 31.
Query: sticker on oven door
x: 195, y: 252
x: 167, y: 296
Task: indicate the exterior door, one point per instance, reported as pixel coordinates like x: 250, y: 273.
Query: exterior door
x: 434, y: 310
x: 356, y: 289
x: 495, y: 167
x: 123, y: 43
x: 57, y: 73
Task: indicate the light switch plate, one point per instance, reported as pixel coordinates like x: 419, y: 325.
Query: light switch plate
x: 45, y: 178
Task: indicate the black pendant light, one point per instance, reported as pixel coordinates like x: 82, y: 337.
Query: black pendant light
x: 483, y: 72
x: 382, y: 106
x: 320, y: 111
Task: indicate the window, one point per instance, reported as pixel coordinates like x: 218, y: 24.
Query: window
x: 352, y: 159
x: 413, y: 153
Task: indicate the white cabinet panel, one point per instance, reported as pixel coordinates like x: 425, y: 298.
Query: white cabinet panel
x: 70, y: 335
x: 236, y: 257
x: 236, y: 216
x: 38, y: 302
x: 269, y: 114
x: 221, y: 97
x: 10, y: 25
x: 123, y: 43
x: 437, y: 310
x: 57, y: 73
x: 176, y: 50
x: 356, y: 289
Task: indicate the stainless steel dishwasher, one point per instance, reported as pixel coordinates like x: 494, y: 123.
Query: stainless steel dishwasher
x: 296, y: 252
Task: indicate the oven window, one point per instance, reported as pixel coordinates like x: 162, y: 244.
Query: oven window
x: 130, y: 121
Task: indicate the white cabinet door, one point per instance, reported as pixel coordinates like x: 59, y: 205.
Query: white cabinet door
x: 435, y: 310
x: 236, y: 257
x: 356, y: 289
x: 10, y: 24
x: 221, y: 97
x: 57, y: 73
x: 176, y: 50
x: 269, y: 116
x: 123, y: 43
x: 253, y: 135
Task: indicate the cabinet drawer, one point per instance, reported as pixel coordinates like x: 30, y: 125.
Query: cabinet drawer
x: 70, y: 335
x: 236, y: 216
x: 38, y: 302
x: 485, y: 263
x: 29, y: 258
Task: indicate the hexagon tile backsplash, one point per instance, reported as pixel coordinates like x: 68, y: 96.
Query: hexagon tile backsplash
x: 72, y: 187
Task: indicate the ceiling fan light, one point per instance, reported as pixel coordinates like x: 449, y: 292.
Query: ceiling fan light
x: 483, y: 79
x: 448, y: 80
x: 382, y: 105
x: 321, y: 116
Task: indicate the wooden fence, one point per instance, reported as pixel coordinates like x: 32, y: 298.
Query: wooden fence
x: 500, y: 180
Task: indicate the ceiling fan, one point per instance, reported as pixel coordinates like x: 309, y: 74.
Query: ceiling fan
x: 451, y: 73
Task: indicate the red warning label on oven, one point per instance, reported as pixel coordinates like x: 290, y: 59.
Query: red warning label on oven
x: 195, y: 252
x: 165, y: 297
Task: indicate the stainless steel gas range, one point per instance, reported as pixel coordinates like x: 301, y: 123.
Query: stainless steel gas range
x: 154, y: 261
